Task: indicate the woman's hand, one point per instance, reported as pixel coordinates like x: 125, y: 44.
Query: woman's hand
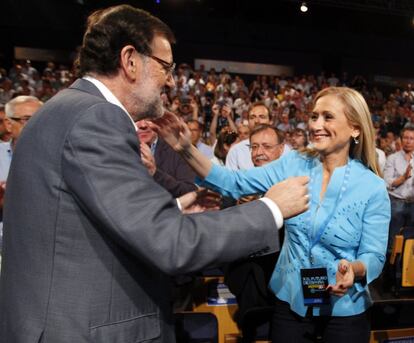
x: 173, y: 130
x: 345, y: 278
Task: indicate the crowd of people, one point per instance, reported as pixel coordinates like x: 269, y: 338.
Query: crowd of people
x: 104, y: 219
x: 213, y: 102
x: 201, y: 95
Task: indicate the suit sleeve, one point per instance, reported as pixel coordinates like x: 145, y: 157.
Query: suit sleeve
x: 102, y: 170
x: 172, y: 185
x: 173, y: 173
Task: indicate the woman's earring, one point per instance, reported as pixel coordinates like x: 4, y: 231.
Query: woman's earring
x: 356, y: 141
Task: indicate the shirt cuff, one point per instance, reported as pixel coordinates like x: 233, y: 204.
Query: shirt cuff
x: 275, y: 211
x: 179, y: 204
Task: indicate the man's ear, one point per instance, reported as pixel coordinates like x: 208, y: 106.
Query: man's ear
x: 130, y: 62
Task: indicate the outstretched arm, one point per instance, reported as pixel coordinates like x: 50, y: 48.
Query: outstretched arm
x: 176, y: 133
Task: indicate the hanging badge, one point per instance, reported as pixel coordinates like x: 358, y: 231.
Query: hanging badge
x: 314, y: 283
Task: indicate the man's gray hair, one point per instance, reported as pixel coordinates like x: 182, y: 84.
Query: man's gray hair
x: 21, y: 99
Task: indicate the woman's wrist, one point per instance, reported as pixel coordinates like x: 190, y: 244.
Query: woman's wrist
x: 358, y: 269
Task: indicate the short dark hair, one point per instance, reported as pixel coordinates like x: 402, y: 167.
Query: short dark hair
x: 193, y: 121
x: 109, y: 30
x: 263, y: 127
x: 406, y: 128
x: 261, y: 103
x: 303, y: 132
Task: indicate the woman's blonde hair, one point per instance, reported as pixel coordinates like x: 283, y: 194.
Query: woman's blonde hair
x: 358, y: 115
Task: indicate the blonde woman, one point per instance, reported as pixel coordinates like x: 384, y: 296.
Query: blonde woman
x: 334, y: 250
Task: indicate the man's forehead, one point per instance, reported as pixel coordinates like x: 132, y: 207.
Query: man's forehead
x: 160, y: 46
x: 266, y: 136
x: 259, y: 110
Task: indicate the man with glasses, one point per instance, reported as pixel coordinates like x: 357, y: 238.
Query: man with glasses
x: 18, y: 112
x: 266, y: 144
x: 90, y: 239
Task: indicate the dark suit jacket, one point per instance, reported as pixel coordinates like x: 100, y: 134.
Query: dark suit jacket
x: 90, y: 239
x: 173, y: 173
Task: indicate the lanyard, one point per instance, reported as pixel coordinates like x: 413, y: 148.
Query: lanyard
x: 314, y: 238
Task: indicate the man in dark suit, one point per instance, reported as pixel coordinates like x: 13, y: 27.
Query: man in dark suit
x: 89, y: 238
x: 166, y: 166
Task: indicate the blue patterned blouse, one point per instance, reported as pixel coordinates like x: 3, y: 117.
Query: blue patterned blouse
x: 351, y: 222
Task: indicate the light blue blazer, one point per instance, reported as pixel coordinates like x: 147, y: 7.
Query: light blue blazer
x: 357, y: 203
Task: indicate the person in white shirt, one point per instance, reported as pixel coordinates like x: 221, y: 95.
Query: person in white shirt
x: 239, y: 156
x: 196, y: 132
x: 400, y: 183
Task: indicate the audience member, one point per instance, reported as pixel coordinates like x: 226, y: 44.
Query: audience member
x: 400, y: 181
x: 196, y: 132
x: 239, y: 156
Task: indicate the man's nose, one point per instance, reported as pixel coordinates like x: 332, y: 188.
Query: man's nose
x: 170, y: 82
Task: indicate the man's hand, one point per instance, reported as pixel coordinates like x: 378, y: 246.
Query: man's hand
x: 407, y: 173
x: 199, y: 201
x: 147, y: 159
x: 216, y: 109
x: 290, y: 195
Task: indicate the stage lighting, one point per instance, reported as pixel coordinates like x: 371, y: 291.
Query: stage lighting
x: 304, y: 7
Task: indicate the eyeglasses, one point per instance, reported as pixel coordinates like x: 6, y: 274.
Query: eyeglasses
x: 23, y: 119
x: 167, y: 66
x: 266, y: 147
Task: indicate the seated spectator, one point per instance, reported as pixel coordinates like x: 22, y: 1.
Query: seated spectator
x: 299, y: 139
x: 243, y: 131
x: 284, y: 124
x: 239, y: 155
x: 196, y: 132
x: 6, y: 91
x: 399, y: 177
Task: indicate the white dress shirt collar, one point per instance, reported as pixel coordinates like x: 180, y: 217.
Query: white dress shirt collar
x: 108, y: 95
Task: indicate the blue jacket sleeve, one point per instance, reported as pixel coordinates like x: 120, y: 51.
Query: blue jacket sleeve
x: 374, y: 237
x: 244, y: 182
